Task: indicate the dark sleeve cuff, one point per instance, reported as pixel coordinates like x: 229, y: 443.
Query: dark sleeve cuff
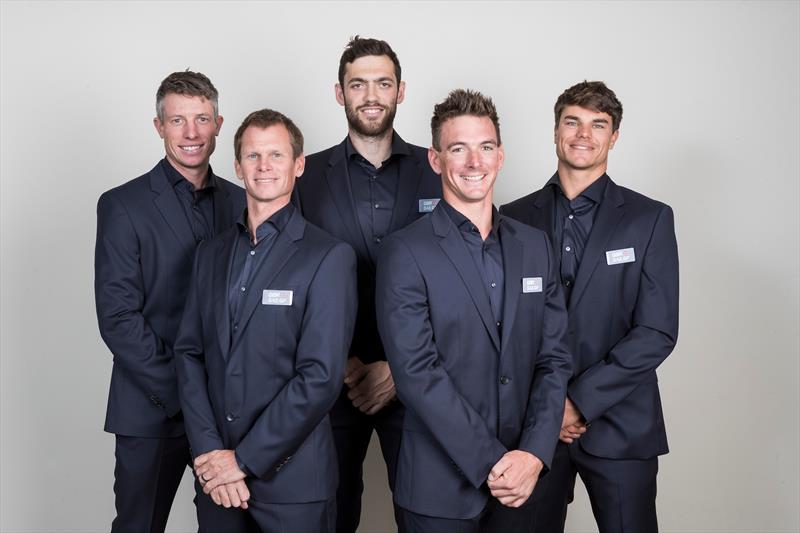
x: 242, y: 466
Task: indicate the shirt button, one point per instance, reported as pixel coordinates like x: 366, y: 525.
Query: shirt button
x: 571, y: 217
x: 377, y: 206
x: 236, y: 327
x: 373, y: 178
x: 499, y: 324
x: 243, y: 289
x: 504, y: 380
x: 229, y: 417
x: 494, y: 284
x: 252, y: 252
x: 567, y: 283
x: 568, y: 249
x: 378, y: 240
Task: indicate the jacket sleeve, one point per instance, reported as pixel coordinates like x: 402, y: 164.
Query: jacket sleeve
x: 552, y: 371
x: 119, y: 298
x: 325, y: 335
x: 422, y: 383
x: 198, y: 415
x: 653, y: 333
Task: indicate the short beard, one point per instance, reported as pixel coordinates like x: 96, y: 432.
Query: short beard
x: 370, y: 129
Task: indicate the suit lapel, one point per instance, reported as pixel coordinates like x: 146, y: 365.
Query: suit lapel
x: 338, y: 180
x: 541, y: 215
x: 167, y: 203
x: 223, y: 209
x: 607, y: 219
x: 453, y: 246
x: 220, y: 285
x: 512, y: 268
x: 409, y: 176
x: 280, y: 253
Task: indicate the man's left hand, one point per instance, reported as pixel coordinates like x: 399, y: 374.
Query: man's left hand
x: 216, y: 468
x: 371, y: 387
x: 514, y: 476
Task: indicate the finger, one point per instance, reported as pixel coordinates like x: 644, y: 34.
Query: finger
x: 376, y: 407
x: 566, y: 440
x: 233, y: 496
x: 213, y: 484
x: 200, y: 460
x: 499, y: 468
x: 244, y: 492
x: 356, y: 375
x: 215, y: 496
x: 223, y: 496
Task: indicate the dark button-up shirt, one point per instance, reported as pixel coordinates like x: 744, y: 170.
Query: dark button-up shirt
x: 249, y: 256
x: 486, y: 254
x: 572, y: 224
x: 198, y: 204
x: 374, y: 191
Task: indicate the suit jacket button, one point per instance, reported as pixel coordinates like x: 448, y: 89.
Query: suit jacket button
x: 504, y: 380
x: 229, y: 417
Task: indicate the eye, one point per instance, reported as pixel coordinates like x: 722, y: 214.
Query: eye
x: 176, y: 120
x: 570, y: 123
x: 600, y: 126
x: 456, y: 149
x: 203, y: 120
x: 356, y: 85
x: 252, y: 156
x: 488, y: 148
x: 386, y: 85
x: 277, y: 155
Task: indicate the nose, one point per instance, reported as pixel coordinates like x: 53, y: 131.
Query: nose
x: 473, y: 158
x: 191, y: 130
x: 585, y: 130
x: 372, y: 93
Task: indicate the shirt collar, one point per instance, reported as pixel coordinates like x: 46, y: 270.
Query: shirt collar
x: 593, y: 192
x: 399, y: 147
x: 274, y: 224
x: 176, y: 178
x: 465, y: 225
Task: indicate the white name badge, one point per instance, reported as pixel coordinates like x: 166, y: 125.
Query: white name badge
x: 426, y: 205
x: 618, y: 257
x: 531, y: 285
x: 274, y: 297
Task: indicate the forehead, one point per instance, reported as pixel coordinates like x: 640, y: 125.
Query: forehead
x: 370, y: 67
x: 467, y: 129
x: 182, y: 104
x: 584, y: 113
x: 276, y: 134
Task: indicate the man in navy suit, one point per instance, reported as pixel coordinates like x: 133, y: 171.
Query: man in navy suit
x: 147, y: 231
x: 262, y: 347
x: 360, y: 191
x: 618, y: 264
x: 472, y: 317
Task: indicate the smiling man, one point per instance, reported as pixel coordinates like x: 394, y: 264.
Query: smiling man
x: 360, y: 191
x: 261, y: 350
x: 147, y: 232
x: 472, y: 316
x: 618, y: 265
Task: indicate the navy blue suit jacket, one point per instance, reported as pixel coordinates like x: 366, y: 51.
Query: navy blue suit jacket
x: 143, y: 257
x: 471, y: 394
x: 623, y: 319
x: 267, y: 394
x: 323, y: 194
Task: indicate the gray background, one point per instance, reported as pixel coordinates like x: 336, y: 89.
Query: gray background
x: 710, y: 91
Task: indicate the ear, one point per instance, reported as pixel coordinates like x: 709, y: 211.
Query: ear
x: 159, y: 127
x: 220, y: 119
x: 401, y: 92
x: 339, y: 94
x: 238, y: 168
x: 501, y: 157
x: 555, y: 134
x: 433, y: 159
x: 614, y: 137
x: 299, y: 165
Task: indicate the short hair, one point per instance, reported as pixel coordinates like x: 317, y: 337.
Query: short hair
x: 360, y: 47
x: 592, y: 95
x: 462, y: 102
x: 264, y: 118
x: 187, y: 83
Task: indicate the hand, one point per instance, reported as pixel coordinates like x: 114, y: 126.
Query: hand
x: 572, y: 426
x: 514, y: 476
x: 217, y: 468
x: 233, y: 494
x: 371, y: 385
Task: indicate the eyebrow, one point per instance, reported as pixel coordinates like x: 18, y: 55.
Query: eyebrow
x: 364, y: 80
x: 596, y: 120
x: 493, y: 142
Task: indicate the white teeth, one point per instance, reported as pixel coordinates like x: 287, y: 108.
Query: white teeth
x: 190, y: 148
x: 473, y: 178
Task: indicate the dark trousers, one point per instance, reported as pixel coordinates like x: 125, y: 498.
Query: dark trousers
x: 261, y: 517
x: 495, y: 518
x: 352, y: 431
x: 146, y: 478
x: 622, y: 491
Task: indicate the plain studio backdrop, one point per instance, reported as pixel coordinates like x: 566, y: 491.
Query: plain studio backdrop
x: 710, y: 92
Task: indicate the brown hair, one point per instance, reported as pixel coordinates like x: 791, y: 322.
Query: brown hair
x: 264, y: 118
x: 462, y: 102
x: 592, y: 95
x: 187, y: 83
x: 360, y: 47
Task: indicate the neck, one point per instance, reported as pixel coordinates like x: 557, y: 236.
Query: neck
x: 198, y: 177
x: 375, y: 149
x: 575, y: 181
x: 479, y: 213
x: 258, y: 212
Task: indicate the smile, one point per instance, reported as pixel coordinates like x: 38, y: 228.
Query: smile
x: 477, y: 178
x: 191, y: 149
